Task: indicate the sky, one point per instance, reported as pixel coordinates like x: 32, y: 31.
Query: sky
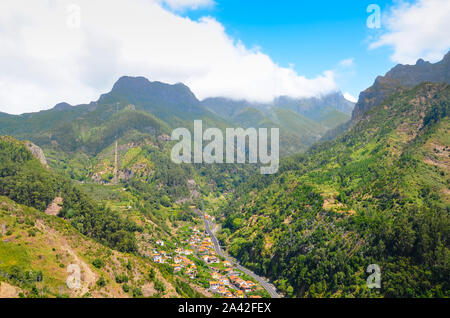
x: 74, y: 50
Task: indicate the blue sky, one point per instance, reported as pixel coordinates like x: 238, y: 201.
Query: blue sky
x: 312, y: 35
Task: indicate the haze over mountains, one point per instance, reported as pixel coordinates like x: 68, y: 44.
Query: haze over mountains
x: 302, y: 121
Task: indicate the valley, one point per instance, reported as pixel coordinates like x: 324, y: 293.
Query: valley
x: 209, y: 227
x: 94, y: 186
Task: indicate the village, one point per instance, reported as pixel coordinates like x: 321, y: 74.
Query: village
x: 224, y: 281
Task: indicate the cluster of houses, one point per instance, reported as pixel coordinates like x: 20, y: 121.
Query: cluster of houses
x: 230, y: 285
x: 201, y: 243
x: 160, y: 257
x: 243, y: 285
x: 224, y: 281
x: 181, y: 261
x: 178, y: 262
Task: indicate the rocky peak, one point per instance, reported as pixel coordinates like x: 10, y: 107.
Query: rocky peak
x: 399, y: 77
x: 62, y: 106
x: 36, y: 151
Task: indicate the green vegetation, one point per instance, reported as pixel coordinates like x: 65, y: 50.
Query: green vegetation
x: 377, y: 194
x: 26, y: 181
x: 369, y: 197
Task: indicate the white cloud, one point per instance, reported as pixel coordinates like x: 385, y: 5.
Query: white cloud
x: 419, y: 30
x: 347, y: 62
x: 188, y: 4
x: 350, y: 97
x: 43, y: 61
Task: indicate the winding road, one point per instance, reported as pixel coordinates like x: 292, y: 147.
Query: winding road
x: 263, y: 282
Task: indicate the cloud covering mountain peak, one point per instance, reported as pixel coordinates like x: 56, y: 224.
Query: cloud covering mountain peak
x: 46, y: 56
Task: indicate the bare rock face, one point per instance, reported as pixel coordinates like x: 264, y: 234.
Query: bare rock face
x: 55, y: 207
x: 37, y: 152
x: 401, y: 76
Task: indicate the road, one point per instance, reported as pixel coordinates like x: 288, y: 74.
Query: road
x: 263, y: 282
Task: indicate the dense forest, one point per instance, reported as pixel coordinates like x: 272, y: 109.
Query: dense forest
x: 370, y: 196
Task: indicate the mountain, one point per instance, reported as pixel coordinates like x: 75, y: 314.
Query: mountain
x: 162, y: 100
x: 137, y: 105
x: 62, y: 106
x: 133, y: 105
x: 302, y: 121
x: 37, y: 249
x: 228, y: 108
x: 103, y: 204
x: 308, y: 107
x: 99, y: 176
x: 378, y: 194
x: 95, y: 185
x: 399, y: 77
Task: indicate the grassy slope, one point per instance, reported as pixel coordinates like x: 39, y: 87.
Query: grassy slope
x: 37, y: 243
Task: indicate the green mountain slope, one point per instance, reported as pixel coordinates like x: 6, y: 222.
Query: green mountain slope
x: 38, y: 252
x: 86, y: 225
x: 136, y: 105
x: 376, y: 195
x: 297, y: 132
x: 302, y: 121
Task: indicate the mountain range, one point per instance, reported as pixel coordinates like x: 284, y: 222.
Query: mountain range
x: 94, y: 185
x: 302, y: 121
x: 376, y: 194
x: 401, y: 76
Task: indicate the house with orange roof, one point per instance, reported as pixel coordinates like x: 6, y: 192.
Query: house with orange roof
x: 234, y: 278
x: 227, y: 264
x: 213, y: 285
x: 176, y: 268
x: 222, y: 291
x: 251, y: 284
x: 215, y: 275
x: 203, y: 251
x: 239, y: 294
x: 157, y: 258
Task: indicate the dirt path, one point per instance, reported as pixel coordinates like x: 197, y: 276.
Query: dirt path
x: 8, y: 291
x: 55, y: 206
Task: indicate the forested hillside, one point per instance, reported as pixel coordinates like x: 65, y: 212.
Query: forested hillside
x: 37, y: 248
x: 376, y: 195
x: 135, y: 104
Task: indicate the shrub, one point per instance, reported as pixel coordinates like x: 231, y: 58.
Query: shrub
x: 101, y: 282
x: 98, y: 263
